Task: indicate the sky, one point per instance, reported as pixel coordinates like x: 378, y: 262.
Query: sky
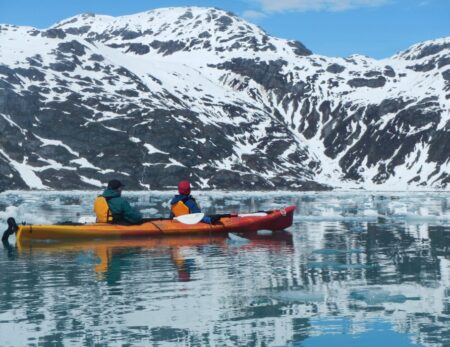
x: 376, y: 28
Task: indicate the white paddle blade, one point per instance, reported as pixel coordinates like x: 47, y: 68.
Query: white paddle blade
x: 256, y: 214
x: 192, y: 218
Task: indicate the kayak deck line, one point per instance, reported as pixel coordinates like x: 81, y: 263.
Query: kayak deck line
x: 273, y: 220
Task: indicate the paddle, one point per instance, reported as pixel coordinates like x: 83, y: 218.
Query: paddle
x: 255, y: 214
x: 188, y: 219
x: 192, y: 218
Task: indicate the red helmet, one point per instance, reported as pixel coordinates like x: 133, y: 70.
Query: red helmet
x: 184, y: 188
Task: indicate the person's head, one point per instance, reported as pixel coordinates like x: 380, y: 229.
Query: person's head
x: 116, y: 185
x: 184, y: 188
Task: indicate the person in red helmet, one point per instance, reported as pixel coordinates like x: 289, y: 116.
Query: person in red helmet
x: 184, y: 203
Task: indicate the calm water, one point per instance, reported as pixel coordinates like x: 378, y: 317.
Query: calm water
x: 354, y: 270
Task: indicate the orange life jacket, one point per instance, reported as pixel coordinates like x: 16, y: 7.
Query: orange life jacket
x: 180, y: 209
x: 102, y: 211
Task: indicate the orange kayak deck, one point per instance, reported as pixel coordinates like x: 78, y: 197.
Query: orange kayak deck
x: 274, y: 220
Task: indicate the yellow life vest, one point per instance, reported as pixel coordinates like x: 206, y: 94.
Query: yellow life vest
x: 180, y: 209
x: 102, y: 211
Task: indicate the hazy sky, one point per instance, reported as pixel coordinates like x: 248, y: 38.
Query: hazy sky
x: 377, y: 28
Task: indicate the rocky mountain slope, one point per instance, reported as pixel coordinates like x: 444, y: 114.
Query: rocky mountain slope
x: 199, y: 93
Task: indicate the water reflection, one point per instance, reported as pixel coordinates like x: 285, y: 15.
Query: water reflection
x: 375, y: 269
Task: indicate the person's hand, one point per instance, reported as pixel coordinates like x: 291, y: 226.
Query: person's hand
x: 214, y: 219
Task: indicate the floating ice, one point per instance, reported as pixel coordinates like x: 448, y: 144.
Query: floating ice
x: 378, y: 296
x: 149, y: 211
x: 11, y: 211
x: 264, y: 232
x: 357, y: 229
x: 22, y: 214
x: 299, y: 296
x: 335, y: 266
x: 335, y: 218
x: 233, y: 238
x: 329, y: 251
x: 87, y: 219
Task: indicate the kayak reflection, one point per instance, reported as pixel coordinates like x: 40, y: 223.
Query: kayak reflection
x: 107, y: 257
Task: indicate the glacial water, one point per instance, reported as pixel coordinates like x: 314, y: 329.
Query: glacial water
x: 355, y: 269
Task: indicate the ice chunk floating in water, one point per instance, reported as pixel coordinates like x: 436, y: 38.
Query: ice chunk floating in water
x: 236, y: 239
x: 379, y: 296
x: 299, y: 296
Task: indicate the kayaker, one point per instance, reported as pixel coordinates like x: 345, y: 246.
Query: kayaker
x: 110, y: 207
x: 184, y: 203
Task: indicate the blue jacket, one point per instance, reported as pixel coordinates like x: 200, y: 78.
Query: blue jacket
x: 190, y: 202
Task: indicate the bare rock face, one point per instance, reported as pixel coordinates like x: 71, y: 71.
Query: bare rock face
x: 200, y: 94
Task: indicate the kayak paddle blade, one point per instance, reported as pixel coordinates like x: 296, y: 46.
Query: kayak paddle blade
x: 192, y: 218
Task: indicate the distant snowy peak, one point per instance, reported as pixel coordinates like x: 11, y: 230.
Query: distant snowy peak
x: 171, y: 30
x: 426, y: 49
x: 428, y: 56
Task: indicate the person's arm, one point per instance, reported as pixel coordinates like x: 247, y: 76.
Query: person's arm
x: 206, y: 220
x: 193, y: 207
x: 192, y: 204
x: 130, y: 214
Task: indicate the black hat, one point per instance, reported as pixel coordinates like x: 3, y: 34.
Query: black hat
x: 115, y: 184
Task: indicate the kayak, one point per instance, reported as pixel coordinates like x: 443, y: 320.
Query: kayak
x: 270, y: 220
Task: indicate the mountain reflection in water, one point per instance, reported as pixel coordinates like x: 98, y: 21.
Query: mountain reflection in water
x: 354, y: 270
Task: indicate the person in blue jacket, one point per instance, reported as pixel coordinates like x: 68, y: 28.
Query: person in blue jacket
x: 184, y: 203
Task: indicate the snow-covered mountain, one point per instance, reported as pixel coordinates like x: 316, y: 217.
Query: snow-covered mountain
x: 199, y: 93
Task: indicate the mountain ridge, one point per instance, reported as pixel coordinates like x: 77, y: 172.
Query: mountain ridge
x: 280, y: 116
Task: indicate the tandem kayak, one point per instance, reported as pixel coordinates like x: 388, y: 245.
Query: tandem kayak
x: 270, y: 220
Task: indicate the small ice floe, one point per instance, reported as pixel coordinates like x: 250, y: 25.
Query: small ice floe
x: 375, y: 296
x: 87, y: 219
x: 357, y: 229
x: 301, y: 295
x: 261, y: 301
x: 424, y: 216
x: 331, y: 251
x: 335, y: 266
x: 416, y: 214
x: 11, y: 211
x: 324, y: 265
x: 231, y: 202
x: 399, y: 211
x: 236, y: 239
x: 149, y: 211
x: 326, y: 215
x: 22, y: 215
x: 264, y: 232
